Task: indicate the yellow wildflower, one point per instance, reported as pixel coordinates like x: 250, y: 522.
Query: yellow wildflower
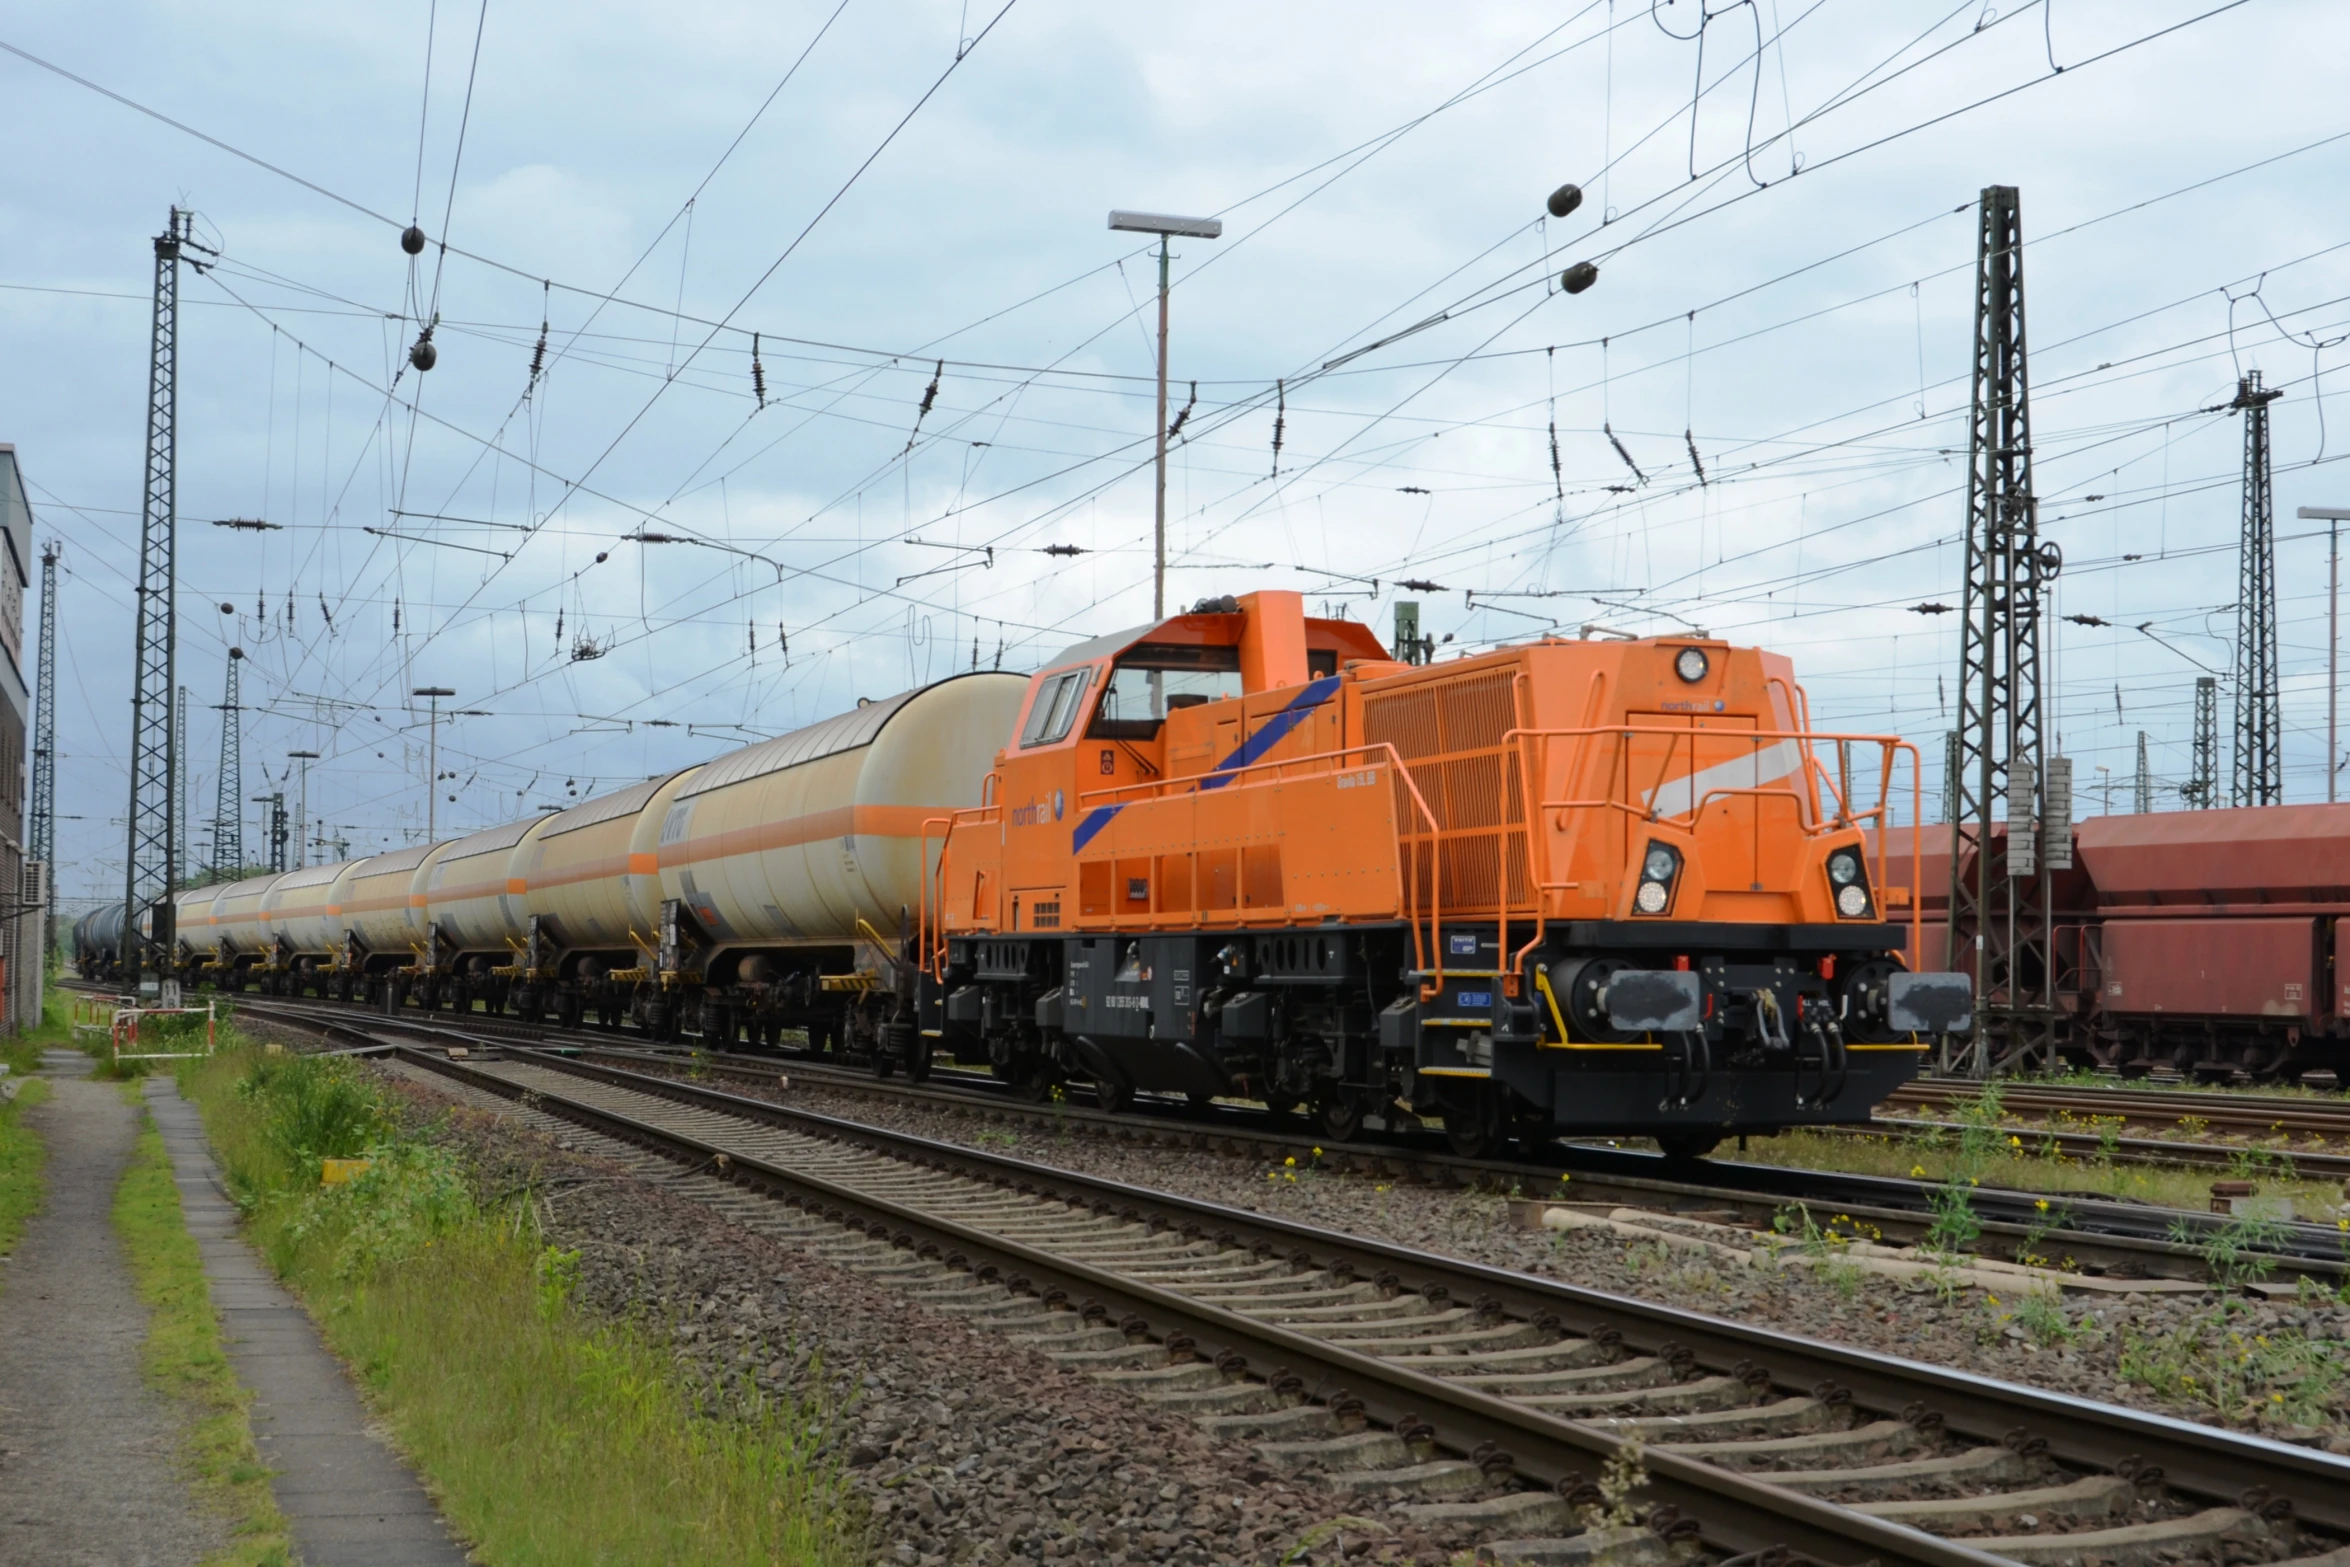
x: 1916, y: 1170
x: 2042, y: 1205
x: 1291, y: 1161
x: 1317, y: 1153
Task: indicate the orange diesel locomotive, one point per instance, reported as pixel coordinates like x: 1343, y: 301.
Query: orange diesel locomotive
x: 1570, y: 886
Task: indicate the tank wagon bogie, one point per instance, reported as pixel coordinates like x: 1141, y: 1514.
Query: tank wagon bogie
x: 1570, y: 886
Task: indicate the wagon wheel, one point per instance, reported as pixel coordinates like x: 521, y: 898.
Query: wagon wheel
x: 1116, y: 1098
x: 1682, y: 1147
x: 1473, y: 1120
x: 1339, y: 1116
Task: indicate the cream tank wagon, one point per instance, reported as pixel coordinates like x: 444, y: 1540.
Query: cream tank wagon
x: 767, y: 889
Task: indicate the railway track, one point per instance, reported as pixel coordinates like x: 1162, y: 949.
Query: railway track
x: 1481, y: 1396
x: 2251, y: 1115
x: 2100, y: 1237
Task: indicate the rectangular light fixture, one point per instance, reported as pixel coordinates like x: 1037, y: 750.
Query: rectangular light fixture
x: 1161, y: 223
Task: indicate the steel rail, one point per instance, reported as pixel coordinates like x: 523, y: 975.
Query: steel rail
x: 2202, y: 1460
x: 1736, y: 1512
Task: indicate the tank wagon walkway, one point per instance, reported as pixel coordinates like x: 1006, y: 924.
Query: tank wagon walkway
x: 352, y: 1502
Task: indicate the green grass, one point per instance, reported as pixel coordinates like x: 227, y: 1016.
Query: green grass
x: 547, y: 1437
x: 2020, y: 1165
x: 184, y: 1358
x: 22, y: 1158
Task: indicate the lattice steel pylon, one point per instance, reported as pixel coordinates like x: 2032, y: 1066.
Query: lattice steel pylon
x: 2143, y: 796
x: 228, y: 806
x: 2000, y: 893
x: 180, y: 858
x: 2202, y: 789
x: 2260, y: 728
x: 42, y: 834
x: 152, y: 865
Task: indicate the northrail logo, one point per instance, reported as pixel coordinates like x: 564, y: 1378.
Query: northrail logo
x: 1036, y: 812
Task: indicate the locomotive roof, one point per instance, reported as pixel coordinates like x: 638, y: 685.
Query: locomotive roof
x: 1351, y: 638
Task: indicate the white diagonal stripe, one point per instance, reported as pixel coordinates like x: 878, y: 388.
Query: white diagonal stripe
x: 1764, y: 765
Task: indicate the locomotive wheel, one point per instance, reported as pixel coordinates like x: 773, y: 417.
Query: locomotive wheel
x: 1339, y: 1117
x: 1472, y: 1121
x: 884, y: 1064
x: 1034, y: 1082
x: 1279, y: 1108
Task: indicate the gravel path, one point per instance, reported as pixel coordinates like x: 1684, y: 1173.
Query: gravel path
x: 88, y: 1472
x: 1971, y: 1331
x: 965, y: 1448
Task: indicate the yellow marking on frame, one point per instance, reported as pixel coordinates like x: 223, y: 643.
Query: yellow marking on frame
x: 1456, y: 1071
x: 1542, y: 983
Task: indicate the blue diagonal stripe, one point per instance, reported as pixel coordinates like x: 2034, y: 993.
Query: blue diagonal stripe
x: 1251, y: 751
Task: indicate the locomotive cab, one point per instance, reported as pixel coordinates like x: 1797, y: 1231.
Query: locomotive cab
x: 1567, y: 886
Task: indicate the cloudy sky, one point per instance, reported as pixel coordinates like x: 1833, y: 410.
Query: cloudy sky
x: 892, y: 193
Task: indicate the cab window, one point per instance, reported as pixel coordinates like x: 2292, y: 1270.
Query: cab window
x: 1056, y: 707
x: 1151, y: 680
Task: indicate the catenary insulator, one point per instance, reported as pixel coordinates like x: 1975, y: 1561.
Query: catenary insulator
x: 1565, y: 200
x: 424, y: 356
x: 412, y: 240
x: 1578, y: 277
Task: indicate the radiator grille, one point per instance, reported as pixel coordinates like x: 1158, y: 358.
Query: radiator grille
x: 1450, y: 736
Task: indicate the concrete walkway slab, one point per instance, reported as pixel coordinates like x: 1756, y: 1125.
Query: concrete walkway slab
x: 89, y: 1465
x: 351, y: 1500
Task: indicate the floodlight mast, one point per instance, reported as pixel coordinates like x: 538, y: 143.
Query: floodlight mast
x: 433, y: 761
x: 2333, y: 517
x: 1163, y: 225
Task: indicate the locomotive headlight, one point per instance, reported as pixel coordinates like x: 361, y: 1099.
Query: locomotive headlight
x: 1660, y: 867
x: 1848, y: 877
x: 1691, y: 664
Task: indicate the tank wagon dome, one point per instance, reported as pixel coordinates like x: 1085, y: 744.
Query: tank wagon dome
x: 304, y: 907
x: 234, y: 915
x: 590, y: 874
x: 473, y: 888
x: 375, y: 902
x: 819, y: 834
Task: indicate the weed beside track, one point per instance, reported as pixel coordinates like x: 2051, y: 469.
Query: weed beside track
x: 545, y: 1436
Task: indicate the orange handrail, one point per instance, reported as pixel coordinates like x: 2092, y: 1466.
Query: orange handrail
x: 1807, y: 801
x: 1223, y: 778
